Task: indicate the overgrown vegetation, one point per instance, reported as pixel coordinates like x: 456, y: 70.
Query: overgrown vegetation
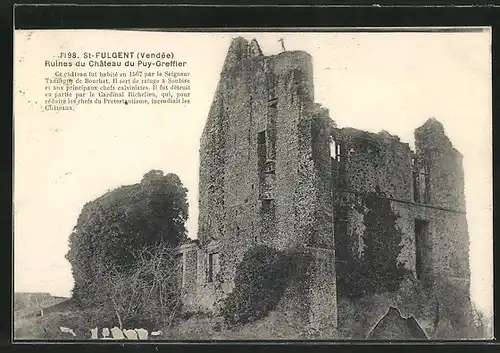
x: 377, y: 270
x: 261, y: 279
x: 121, y: 252
x: 456, y: 315
x: 145, y: 294
x: 482, y: 324
x: 48, y: 326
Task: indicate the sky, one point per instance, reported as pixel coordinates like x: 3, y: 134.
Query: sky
x: 369, y: 81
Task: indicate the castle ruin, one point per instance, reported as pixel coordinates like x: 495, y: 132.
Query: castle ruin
x: 276, y: 170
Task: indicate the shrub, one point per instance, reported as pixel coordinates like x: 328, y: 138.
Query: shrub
x: 456, y: 315
x: 110, y: 228
x: 145, y: 294
x: 261, y: 278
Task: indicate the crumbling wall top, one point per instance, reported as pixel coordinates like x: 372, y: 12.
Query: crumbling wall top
x: 431, y: 136
x: 254, y: 48
x: 388, y: 136
x: 380, y: 140
x: 319, y: 111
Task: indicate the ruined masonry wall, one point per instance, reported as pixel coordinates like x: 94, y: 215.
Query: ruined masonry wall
x: 266, y: 177
x: 376, y: 160
x: 259, y: 180
x: 381, y: 161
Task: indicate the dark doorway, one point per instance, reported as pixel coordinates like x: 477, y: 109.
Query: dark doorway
x: 422, y: 248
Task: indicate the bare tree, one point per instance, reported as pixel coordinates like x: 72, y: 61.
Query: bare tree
x: 481, y: 322
x: 147, y: 290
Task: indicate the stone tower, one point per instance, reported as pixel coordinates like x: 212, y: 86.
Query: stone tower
x: 265, y: 174
x: 441, y: 180
x: 275, y: 171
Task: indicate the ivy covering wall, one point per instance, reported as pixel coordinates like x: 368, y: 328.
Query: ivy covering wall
x: 376, y: 269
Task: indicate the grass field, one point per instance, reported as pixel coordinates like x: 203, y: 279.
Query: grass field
x: 194, y: 328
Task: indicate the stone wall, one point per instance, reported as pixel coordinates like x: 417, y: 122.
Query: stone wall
x: 199, y: 294
x: 436, y: 260
x: 376, y: 160
x: 444, y: 164
x: 268, y: 175
x: 260, y: 181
